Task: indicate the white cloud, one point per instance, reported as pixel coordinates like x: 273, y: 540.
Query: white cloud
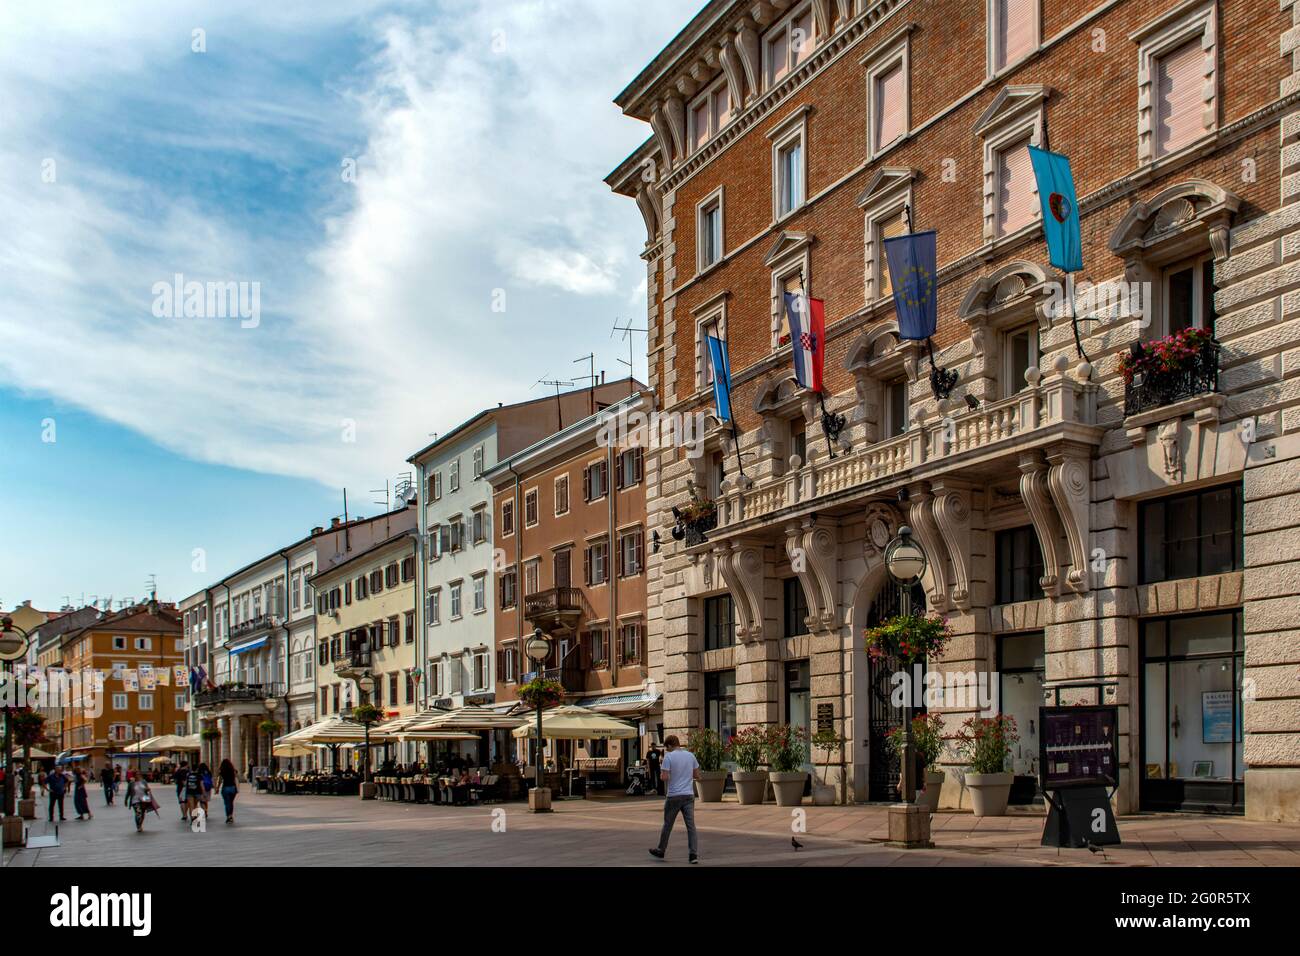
x: 480, y: 139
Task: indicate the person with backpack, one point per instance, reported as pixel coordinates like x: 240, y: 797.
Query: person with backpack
x: 182, y: 774
x: 193, y: 792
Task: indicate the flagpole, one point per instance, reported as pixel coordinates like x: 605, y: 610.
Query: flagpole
x: 827, y: 418
x: 731, y: 411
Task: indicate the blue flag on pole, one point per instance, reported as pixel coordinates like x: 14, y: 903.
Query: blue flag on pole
x: 912, y: 272
x: 1060, y: 209
x: 721, y: 378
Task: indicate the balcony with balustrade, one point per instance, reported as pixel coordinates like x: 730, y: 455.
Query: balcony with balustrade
x: 555, y: 608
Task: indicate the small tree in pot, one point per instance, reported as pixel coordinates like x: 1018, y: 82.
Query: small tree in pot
x: 927, y: 738
x: 829, y: 743
x: 986, y: 742
x: 785, y: 756
x: 28, y: 728
x: 709, y: 752
x: 748, y: 749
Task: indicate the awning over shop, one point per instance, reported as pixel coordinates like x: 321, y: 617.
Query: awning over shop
x: 578, y: 723
x: 250, y: 646
x: 332, y: 730
x: 636, y: 702
x: 469, y: 718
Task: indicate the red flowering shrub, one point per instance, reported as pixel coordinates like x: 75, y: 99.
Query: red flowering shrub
x: 1173, y: 353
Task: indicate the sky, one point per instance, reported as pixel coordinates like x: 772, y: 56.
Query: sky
x: 403, y: 199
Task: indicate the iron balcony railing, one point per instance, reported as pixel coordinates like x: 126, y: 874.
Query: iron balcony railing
x: 357, y: 659
x: 1155, y: 389
x: 571, y: 673
x: 235, y: 693
x: 554, y: 602
x: 252, y: 625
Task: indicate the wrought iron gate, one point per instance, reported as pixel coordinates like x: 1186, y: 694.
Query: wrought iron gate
x: 883, y: 716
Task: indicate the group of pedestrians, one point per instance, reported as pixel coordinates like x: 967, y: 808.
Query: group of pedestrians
x: 194, y: 788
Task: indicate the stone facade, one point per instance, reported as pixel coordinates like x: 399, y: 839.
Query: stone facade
x: 1072, y: 454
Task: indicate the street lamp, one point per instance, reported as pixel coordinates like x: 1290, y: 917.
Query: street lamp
x: 13, y: 647
x: 906, y: 563
x: 366, y: 684
x: 271, y: 703
x: 139, y: 739
x: 538, y: 648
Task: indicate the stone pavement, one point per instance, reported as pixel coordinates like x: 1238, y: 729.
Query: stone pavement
x: 332, y: 831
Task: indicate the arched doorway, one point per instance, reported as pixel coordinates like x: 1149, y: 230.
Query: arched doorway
x: 883, y: 715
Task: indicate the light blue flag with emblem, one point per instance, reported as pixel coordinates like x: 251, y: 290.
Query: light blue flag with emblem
x: 721, y: 378
x: 1060, y: 209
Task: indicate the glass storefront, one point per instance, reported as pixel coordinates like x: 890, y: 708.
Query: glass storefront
x: 1191, y: 713
x: 798, y: 704
x: 720, y: 703
x: 1021, y: 663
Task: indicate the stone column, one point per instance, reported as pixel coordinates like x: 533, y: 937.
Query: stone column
x: 236, y: 753
x: 224, y: 724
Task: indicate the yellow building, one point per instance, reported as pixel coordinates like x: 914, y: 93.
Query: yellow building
x: 365, y: 625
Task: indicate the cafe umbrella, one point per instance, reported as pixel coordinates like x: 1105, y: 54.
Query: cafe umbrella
x: 570, y: 722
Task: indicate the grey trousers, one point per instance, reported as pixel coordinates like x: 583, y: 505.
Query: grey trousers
x: 686, y: 807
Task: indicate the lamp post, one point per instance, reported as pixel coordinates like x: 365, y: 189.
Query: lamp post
x: 139, y: 739
x: 538, y: 648
x: 366, y: 684
x: 906, y: 562
x: 13, y: 646
x: 271, y: 703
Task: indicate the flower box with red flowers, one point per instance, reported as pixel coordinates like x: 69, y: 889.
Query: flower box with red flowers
x: 909, y: 637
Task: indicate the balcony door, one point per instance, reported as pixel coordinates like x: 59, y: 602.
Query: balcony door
x: 563, y: 568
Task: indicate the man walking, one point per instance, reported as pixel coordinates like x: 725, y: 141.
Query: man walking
x: 679, y: 770
x: 56, y: 785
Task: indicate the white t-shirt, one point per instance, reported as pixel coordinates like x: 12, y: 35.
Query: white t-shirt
x: 680, y: 766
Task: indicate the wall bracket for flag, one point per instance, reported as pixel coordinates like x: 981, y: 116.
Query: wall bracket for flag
x: 833, y: 424
x: 942, y: 380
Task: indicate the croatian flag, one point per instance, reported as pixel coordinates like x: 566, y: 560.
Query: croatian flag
x: 807, y: 338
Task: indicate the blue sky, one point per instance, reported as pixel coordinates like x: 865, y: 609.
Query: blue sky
x: 478, y: 133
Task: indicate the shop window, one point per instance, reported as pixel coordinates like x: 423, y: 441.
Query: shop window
x: 720, y: 703
x: 1186, y: 536
x: 1021, y: 666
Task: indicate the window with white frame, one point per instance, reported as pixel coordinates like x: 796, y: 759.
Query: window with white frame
x: 507, y: 518
x: 1017, y: 190
x: 478, y: 461
x: 455, y: 600
x: 433, y: 606
x: 1177, y: 80
x: 119, y: 643
x: 480, y: 670
x: 710, y: 320
x: 709, y: 113
x: 789, y: 44
x: 144, y: 643
x: 1013, y: 32
x: 478, y: 525
x: 146, y: 701
x: 1019, y: 353
x: 480, y: 593
x: 788, y: 169
x: 119, y: 701
x: 1187, y: 291
x: 896, y: 407
x: 887, y: 226
x: 1012, y: 123
x: 532, y: 571
x: 454, y: 475
x: 530, y: 508
x: 709, y: 234
x: 888, y: 94
x: 562, y: 495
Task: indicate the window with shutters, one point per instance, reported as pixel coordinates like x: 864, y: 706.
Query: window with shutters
x: 480, y: 670
x: 480, y: 593
x: 435, y: 542
x: 530, y: 508
x: 408, y: 627
x: 455, y: 600
x: 506, y: 670
x: 478, y: 524
x: 507, y: 518
x: 1177, y: 80
x: 410, y: 686
x: 1015, y: 188
x: 532, y: 572
x: 631, y: 553
x: 456, y: 533
x: 562, y: 563
x: 630, y: 645
x: 433, y: 606
x: 391, y: 575
x: 630, y: 464
x: 507, y: 586
x: 596, y: 562
x: 788, y: 44
x: 453, y: 475
x: 437, y: 486
x: 708, y: 230
x: 561, y: 495
x: 888, y: 93
x: 709, y: 112
x: 478, y: 461
x: 1013, y: 32
x: 408, y: 569
x: 392, y: 689
x: 598, y: 647
x: 595, y: 481
x: 376, y: 582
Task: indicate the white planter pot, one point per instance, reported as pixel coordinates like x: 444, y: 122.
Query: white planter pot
x: 751, y: 785
x: 823, y: 794
x: 710, y: 785
x: 989, y: 792
x: 929, y: 797
x: 788, y: 787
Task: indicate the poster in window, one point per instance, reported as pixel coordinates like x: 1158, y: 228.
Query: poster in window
x: 1216, y: 717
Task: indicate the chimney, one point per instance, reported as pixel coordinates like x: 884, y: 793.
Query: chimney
x: 334, y: 522
x: 317, y: 530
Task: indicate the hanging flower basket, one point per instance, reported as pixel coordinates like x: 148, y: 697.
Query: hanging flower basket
x: 909, y: 637
x: 540, y: 692
x: 209, y: 733
x: 695, y: 519
x: 366, y: 713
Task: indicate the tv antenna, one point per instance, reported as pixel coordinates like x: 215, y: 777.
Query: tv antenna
x: 151, y: 584
x: 559, y: 409
x: 627, y: 331
x: 590, y: 377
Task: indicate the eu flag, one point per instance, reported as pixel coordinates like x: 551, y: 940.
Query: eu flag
x: 912, y: 271
x: 1060, y: 209
x: 721, y: 378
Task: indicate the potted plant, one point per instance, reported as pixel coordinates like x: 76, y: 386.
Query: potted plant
x: 986, y: 742
x: 695, y: 518
x: 785, y: 755
x: 709, y: 753
x: 927, y: 738
x: 1166, y: 357
x: 829, y: 743
x: 541, y: 692
x: 748, y: 746
x: 909, y: 637
x: 28, y: 729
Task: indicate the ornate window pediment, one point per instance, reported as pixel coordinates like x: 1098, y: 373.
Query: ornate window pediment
x: 787, y: 245
x: 1177, y: 222
x: 1010, y: 104
x: 1014, y: 295
x: 877, y: 359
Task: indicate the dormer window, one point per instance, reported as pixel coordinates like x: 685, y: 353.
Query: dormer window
x: 710, y: 112
x: 788, y: 44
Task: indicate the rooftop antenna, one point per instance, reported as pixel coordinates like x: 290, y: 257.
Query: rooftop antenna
x: 386, y: 502
x: 590, y: 359
x: 627, y: 331
x: 347, y: 539
x: 151, y: 583
x: 559, y: 409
